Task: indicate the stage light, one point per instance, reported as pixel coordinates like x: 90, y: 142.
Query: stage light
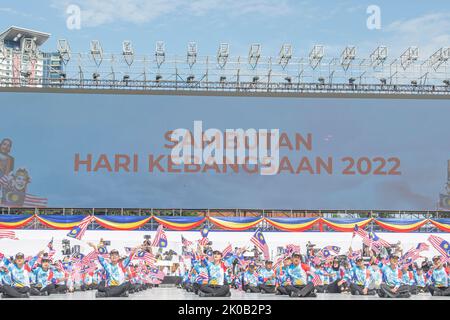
x: 409, y: 56
x: 285, y: 55
x: 160, y: 53
x: 316, y: 55
x: 64, y: 51
x: 222, y: 54
x: 347, y: 56
x: 128, y: 52
x: 379, y: 56
x: 96, y: 52
x: 191, y: 54
x: 254, y: 54
x: 439, y: 57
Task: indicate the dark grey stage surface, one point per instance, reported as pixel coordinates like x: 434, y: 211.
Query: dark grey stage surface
x: 172, y: 293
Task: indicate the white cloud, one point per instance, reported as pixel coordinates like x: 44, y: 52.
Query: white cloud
x: 100, y: 12
x: 429, y: 32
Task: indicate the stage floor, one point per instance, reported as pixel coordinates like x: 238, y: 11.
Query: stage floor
x: 172, y: 293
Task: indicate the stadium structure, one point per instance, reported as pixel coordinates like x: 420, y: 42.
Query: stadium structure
x: 23, y: 65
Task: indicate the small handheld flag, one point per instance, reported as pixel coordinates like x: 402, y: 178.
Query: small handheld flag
x: 441, y: 245
x: 260, y: 242
x: 6, y: 234
x: 160, y: 238
x: 78, y: 231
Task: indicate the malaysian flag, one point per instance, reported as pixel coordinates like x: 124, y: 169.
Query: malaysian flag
x: 204, y: 240
x: 292, y: 248
x: 378, y: 241
x: 185, y: 242
x: 414, y: 253
x: 355, y: 254
x: 441, y: 245
x: 4, y: 180
x: 51, y: 250
x: 160, y: 238
x: 370, y: 239
x: 201, y: 276
x: 76, y: 257
x: 147, y: 257
x: 6, y: 234
x: 31, y: 201
x: 316, y: 279
x: 78, y: 231
x: 333, y: 249
x: 157, y: 273
x: 228, y: 249
x: 278, y: 263
x: 260, y: 242
x: 91, y: 256
x: 60, y: 266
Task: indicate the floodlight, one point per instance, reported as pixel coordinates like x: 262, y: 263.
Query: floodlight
x: 383, y: 81
x: 439, y: 57
x: 254, y: 54
x: 255, y: 79
x: 160, y: 53
x: 321, y: 80
x: 409, y: 56
x: 351, y: 80
x: 288, y: 79
x: 222, y: 54
x: 95, y: 76
x: 285, y: 55
x: 96, y: 52
x: 223, y: 79
x: 316, y: 55
x: 446, y: 82
x: 347, y: 56
x: 379, y: 56
x: 190, y: 78
x: 158, y: 77
x: 191, y: 54
x: 128, y: 52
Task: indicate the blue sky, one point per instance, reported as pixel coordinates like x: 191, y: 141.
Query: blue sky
x: 303, y: 23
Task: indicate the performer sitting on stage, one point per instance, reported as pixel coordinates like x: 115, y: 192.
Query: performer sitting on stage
x: 250, y: 281
x: 19, y: 271
x: 43, y: 274
x: 115, y: 284
x: 299, y: 286
x: 360, y: 278
x: 267, y: 278
x: 391, y: 286
x: 283, y: 279
x: 217, y: 284
x: 439, y: 279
